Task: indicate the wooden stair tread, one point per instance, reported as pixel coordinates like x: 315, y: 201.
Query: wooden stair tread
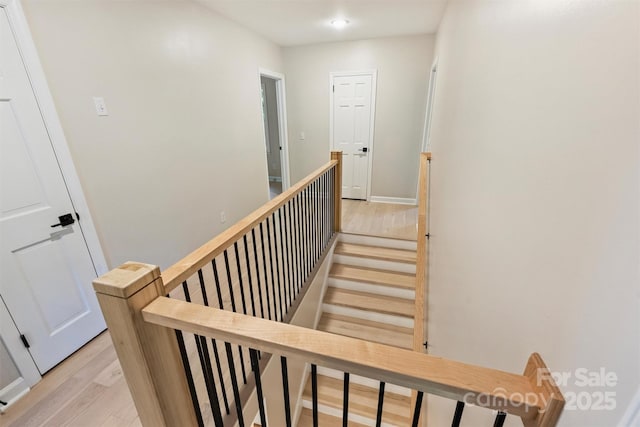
x: 369, y: 302
x: 383, y: 333
x: 372, y: 275
x: 363, y: 400
x: 324, y: 420
x: 376, y: 252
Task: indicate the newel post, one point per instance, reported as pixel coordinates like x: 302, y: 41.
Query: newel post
x: 337, y: 191
x: 148, y: 354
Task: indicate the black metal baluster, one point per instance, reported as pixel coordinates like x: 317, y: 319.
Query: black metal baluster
x: 308, y: 244
x: 211, y: 384
x: 314, y: 212
x: 283, y: 306
x: 248, y: 260
x: 314, y: 223
x: 264, y: 267
x: 314, y: 393
x: 233, y: 307
x: 216, y: 355
x: 229, y: 281
x: 500, y: 418
x: 256, y: 371
x: 300, y: 244
x: 280, y: 250
x: 332, y: 195
x: 255, y: 257
x: 240, y: 281
x: 345, y: 400
x: 234, y: 383
x: 380, y: 403
x: 457, y: 416
x: 285, y: 388
x: 203, y: 288
x: 187, y: 372
x: 321, y: 213
x: 285, y: 255
x: 416, y: 411
x: 288, y: 238
x: 205, y: 300
x: 318, y: 212
x: 273, y: 282
x: 216, y: 278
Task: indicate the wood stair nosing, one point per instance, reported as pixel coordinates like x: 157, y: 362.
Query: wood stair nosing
x: 383, y: 333
x: 376, y: 252
x: 370, y: 302
x: 374, y: 276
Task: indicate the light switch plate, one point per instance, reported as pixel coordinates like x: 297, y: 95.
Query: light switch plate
x: 101, y: 107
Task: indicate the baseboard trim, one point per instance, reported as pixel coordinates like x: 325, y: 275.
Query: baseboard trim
x: 393, y: 200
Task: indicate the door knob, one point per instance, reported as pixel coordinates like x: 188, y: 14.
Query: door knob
x: 66, y: 219
x: 363, y: 149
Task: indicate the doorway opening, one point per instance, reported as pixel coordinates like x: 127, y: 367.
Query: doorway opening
x: 272, y: 95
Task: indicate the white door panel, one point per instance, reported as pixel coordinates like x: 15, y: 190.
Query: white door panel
x: 352, y: 101
x: 46, y: 271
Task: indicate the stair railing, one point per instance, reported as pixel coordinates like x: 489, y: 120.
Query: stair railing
x: 261, y: 266
x: 165, y: 325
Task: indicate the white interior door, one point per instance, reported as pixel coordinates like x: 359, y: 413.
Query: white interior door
x: 352, y: 107
x: 46, y: 271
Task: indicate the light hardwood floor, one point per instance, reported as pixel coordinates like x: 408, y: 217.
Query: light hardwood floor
x: 379, y: 219
x: 88, y: 388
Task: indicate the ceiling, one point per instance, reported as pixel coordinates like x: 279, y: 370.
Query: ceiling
x: 299, y: 22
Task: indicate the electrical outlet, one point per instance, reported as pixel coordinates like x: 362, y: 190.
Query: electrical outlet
x: 223, y: 217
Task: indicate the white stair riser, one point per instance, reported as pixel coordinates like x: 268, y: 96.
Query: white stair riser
x: 358, y: 239
x: 358, y: 261
x: 372, y: 289
x: 389, y: 319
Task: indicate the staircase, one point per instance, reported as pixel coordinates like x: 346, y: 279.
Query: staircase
x: 370, y: 296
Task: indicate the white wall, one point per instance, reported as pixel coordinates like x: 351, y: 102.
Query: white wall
x: 403, y: 71
x: 183, y: 140
x: 535, y: 192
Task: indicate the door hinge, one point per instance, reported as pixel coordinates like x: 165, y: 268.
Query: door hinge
x: 334, y: 88
x: 24, y: 341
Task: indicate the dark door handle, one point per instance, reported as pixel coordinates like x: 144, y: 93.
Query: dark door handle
x: 365, y: 149
x: 66, y: 219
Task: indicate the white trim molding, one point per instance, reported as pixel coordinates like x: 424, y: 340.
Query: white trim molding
x: 631, y: 417
x: 29, y: 54
x: 283, y: 133
x: 374, y: 89
x: 393, y: 200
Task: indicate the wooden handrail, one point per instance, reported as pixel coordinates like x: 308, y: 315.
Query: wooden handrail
x: 189, y: 265
x: 534, y: 398
x: 419, y: 333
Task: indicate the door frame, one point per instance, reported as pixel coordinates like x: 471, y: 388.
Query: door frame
x: 44, y: 100
x: 281, y: 101
x: 372, y: 119
x: 428, y: 115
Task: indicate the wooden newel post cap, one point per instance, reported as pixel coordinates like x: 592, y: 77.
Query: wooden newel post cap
x: 127, y: 279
